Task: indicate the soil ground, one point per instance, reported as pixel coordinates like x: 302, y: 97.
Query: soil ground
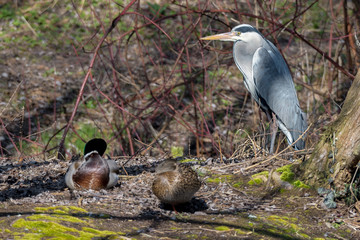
x: 36, y: 204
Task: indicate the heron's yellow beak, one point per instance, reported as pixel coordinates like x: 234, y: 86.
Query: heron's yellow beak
x: 229, y: 36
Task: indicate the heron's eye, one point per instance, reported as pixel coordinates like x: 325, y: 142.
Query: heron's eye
x: 238, y: 33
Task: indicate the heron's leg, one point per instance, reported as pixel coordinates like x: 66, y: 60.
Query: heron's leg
x: 262, y: 129
x: 273, y: 131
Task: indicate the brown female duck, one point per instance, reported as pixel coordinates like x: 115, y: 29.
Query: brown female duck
x: 175, y: 183
x: 92, y: 171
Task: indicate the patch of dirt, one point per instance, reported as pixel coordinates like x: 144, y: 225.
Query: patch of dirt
x: 226, y: 207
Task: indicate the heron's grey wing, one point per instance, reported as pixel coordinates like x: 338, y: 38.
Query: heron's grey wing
x: 278, y: 58
x: 276, y: 91
x: 113, y: 175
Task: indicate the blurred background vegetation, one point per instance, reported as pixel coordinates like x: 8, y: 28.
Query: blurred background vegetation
x: 154, y: 87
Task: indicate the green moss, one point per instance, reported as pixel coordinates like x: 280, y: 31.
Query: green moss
x: 213, y: 180
x: 337, y: 225
x: 77, y: 209
x: 294, y: 227
x: 44, y: 209
x: 298, y: 87
x: 258, y: 178
x: 284, y: 168
x: 48, y: 224
x: 47, y: 229
x: 288, y: 225
x: 282, y: 190
x: 56, y: 218
x: 300, y: 184
x: 256, y: 181
x: 239, y: 231
x: 222, y: 228
x: 279, y: 232
x: 264, y: 173
x: 225, y: 102
x: 286, y: 174
x: 60, y: 209
x: 187, y: 160
x: 219, y: 178
x: 177, y: 152
x: 226, y: 176
x: 237, y: 185
x: 281, y: 220
x: 304, y: 235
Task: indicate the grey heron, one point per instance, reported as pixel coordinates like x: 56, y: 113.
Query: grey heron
x: 268, y: 79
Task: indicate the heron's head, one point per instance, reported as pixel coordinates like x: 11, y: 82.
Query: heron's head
x: 243, y: 32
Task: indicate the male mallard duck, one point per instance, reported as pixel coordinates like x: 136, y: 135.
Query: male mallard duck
x: 92, y: 171
x: 175, y: 183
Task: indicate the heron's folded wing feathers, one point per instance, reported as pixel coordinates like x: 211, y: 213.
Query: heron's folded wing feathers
x: 277, y: 92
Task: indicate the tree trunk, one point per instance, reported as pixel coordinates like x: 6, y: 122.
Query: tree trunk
x: 336, y: 156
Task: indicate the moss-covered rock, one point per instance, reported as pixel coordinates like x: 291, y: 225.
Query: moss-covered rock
x: 259, y: 178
